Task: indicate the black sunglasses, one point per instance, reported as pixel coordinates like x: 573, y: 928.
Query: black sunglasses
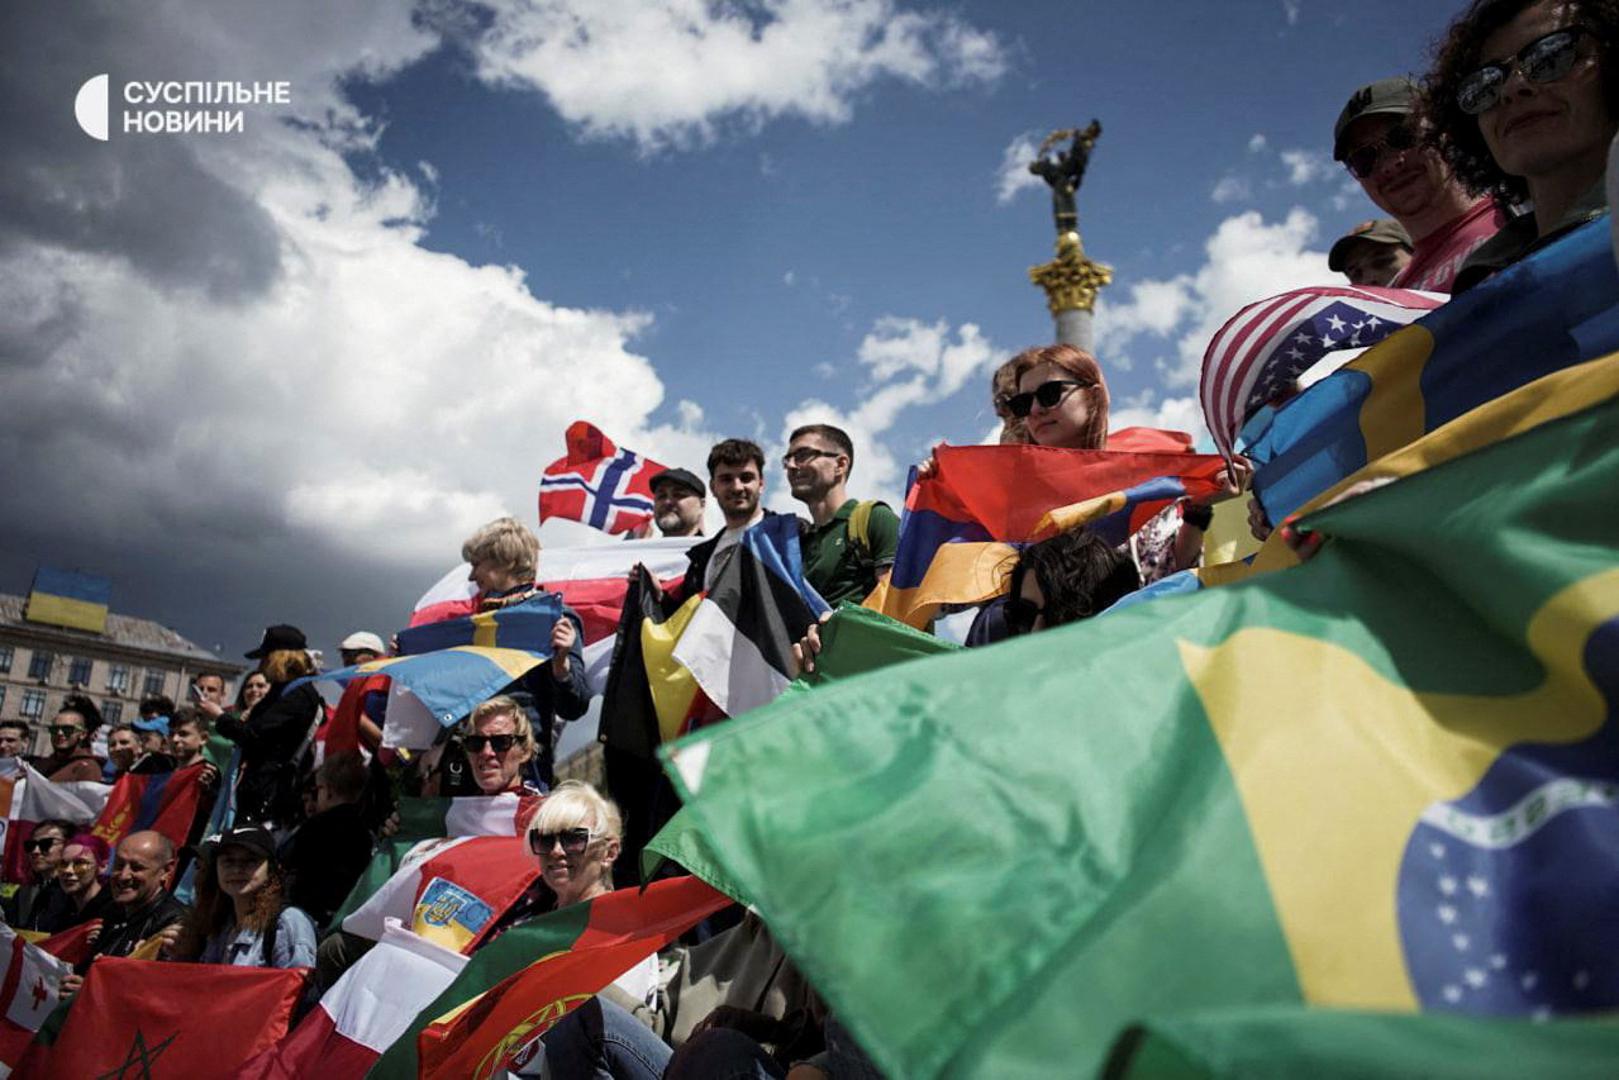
x: 573, y: 841
x: 42, y: 844
x: 498, y: 743
x: 806, y: 454
x: 1545, y: 59
x: 1048, y: 394
x: 1363, y: 160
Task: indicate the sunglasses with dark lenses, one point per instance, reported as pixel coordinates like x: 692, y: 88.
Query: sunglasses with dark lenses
x: 498, y: 743
x: 1545, y: 59
x: 804, y: 455
x: 1020, y: 615
x: 573, y: 841
x: 1363, y: 160
x: 1048, y: 394
x: 42, y: 844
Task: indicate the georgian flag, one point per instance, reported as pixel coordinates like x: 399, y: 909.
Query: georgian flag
x: 597, y: 483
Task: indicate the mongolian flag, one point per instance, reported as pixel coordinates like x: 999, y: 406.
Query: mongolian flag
x: 451, y: 891
x: 960, y: 521
x: 517, y: 988
x: 1548, y: 312
x: 164, y: 802
x: 1385, y: 779
x: 597, y: 483
x: 157, y: 1018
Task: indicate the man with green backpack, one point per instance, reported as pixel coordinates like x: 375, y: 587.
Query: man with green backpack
x: 848, y: 544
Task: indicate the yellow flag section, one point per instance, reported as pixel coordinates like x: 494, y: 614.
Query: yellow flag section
x: 1373, y: 756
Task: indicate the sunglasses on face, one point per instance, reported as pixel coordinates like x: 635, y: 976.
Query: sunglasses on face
x: 1363, y: 160
x: 1545, y: 59
x: 573, y: 841
x: 498, y: 743
x: 41, y: 846
x: 804, y: 455
x: 1048, y: 394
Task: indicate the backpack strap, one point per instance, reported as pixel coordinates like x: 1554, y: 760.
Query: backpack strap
x: 268, y: 941
x: 860, y: 541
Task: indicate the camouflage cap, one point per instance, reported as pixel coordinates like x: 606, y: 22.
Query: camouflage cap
x: 1385, y: 96
x: 1375, y: 231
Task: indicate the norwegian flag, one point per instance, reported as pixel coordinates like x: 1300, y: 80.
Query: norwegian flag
x: 1263, y: 348
x: 597, y: 483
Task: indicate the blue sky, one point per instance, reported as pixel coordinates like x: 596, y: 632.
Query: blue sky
x: 289, y: 371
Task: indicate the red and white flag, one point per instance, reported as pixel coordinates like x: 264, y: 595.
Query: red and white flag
x: 1262, y: 350
x: 28, y: 993
x: 37, y: 799
x: 365, y: 1011
x: 598, y: 483
x: 451, y: 892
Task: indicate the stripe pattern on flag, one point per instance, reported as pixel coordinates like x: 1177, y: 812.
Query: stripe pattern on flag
x: 598, y: 483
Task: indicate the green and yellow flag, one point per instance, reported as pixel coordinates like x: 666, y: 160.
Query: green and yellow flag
x: 1386, y: 779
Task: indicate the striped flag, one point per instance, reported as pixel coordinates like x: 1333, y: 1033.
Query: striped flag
x: 451, y: 892
x: 37, y: 799
x: 164, y: 802
x: 1262, y: 349
x: 597, y: 483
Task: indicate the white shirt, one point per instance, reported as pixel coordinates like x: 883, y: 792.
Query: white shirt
x: 723, y: 550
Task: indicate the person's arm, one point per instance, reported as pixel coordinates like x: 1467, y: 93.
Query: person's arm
x: 284, y: 721
x: 570, y: 690
x: 882, y: 529
x: 294, y: 940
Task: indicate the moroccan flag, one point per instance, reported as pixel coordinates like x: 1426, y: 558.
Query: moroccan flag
x: 597, y: 483
x: 959, y: 523
x: 78, y: 801
x: 1385, y: 779
x: 164, y: 802
x: 29, y: 991
x: 738, y: 644
x: 1332, y: 1043
x: 451, y: 892
x: 364, y: 1012
x: 162, y: 1019
x: 530, y: 977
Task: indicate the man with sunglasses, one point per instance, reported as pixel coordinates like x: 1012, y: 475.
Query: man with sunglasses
x: 848, y: 545
x: 1377, y: 140
x: 1524, y: 97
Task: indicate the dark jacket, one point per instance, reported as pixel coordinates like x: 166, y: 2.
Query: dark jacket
x: 324, y: 858
x: 122, y: 930
x: 277, y: 749
x: 698, y: 559
x: 1520, y: 237
x: 59, y: 913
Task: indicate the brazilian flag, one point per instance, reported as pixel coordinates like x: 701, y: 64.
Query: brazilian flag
x: 1382, y: 782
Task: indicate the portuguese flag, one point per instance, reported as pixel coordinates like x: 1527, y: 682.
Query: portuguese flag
x: 1386, y: 779
x: 515, y: 988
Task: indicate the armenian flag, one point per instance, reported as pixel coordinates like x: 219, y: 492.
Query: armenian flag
x: 1386, y: 779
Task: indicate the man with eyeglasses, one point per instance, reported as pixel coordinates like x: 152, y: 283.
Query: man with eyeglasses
x: 1377, y: 140
x: 848, y: 545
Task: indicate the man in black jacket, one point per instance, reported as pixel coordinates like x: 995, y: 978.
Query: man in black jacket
x: 141, y: 907
x: 327, y: 854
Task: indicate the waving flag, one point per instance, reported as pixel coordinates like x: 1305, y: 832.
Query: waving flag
x: 1552, y: 310
x: 37, y: 799
x: 451, y: 597
x: 451, y: 892
x: 959, y: 522
x: 29, y: 991
x: 597, y: 483
x: 1385, y: 779
x: 164, y: 802
x: 1261, y: 351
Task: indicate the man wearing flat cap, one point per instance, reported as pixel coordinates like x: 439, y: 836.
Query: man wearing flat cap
x: 678, y: 501
x: 1372, y: 253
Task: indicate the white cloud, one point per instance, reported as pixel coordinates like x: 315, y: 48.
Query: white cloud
x: 1257, y: 143
x: 1291, y: 10
x: 789, y: 279
x: 1231, y: 189
x: 668, y: 72
x: 1146, y: 410
x: 1014, y: 175
x: 1306, y: 166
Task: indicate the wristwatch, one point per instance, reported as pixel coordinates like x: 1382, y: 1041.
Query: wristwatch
x: 1198, y: 517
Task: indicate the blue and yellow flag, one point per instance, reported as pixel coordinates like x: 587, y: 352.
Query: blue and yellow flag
x: 1386, y: 779
x: 69, y: 598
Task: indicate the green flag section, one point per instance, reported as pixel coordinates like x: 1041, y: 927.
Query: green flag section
x: 1330, y: 1044
x: 1386, y: 779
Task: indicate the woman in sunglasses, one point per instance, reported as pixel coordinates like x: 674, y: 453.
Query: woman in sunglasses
x: 1523, y: 101
x: 498, y: 741
x: 26, y: 908
x: 72, y: 731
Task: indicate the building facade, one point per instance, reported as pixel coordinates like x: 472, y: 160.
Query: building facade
x: 40, y: 664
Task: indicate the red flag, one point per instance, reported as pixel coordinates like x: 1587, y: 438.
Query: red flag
x: 597, y: 483
x: 343, y: 730
x: 165, y: 802
x: 72, y: 945
x: 481, y: 1037
x: 151, y: 1018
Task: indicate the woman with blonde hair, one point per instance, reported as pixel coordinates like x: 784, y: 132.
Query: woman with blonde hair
x: 576, y: 835
x: 277, y: 737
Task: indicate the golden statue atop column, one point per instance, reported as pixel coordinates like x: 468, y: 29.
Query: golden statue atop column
x: 1070, y: 280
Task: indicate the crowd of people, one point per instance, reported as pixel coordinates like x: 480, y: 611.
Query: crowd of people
x: 1498, y: 151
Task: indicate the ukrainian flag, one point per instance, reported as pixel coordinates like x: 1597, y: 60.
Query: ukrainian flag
x: 69, y: 598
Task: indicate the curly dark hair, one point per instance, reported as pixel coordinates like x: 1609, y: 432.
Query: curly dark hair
x: 1453, y: 132
x: 1079, y: 575
x: 212, y: 912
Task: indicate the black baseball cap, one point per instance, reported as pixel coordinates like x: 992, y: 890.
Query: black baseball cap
x: 682, y: 477
x: 1396, y: 96
x: 253, y: 837
x: 279, y: 636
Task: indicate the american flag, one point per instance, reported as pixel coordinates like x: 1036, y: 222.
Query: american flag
x: 1263, y: 348
x: 597, y: 483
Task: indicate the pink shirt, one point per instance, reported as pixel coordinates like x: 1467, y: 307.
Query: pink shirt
x: 1437, y: 256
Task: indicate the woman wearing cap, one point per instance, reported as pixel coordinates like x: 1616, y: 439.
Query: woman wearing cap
x: 276, y: 737
x: 240, y: 916
x: 1523, y: 101
x: 72, y: 733
x: 81, y: 896
x: 504, y: 556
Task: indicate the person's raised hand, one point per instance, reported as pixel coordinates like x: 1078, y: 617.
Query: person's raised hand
x: 807, y: 648
x: 563, y: 635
